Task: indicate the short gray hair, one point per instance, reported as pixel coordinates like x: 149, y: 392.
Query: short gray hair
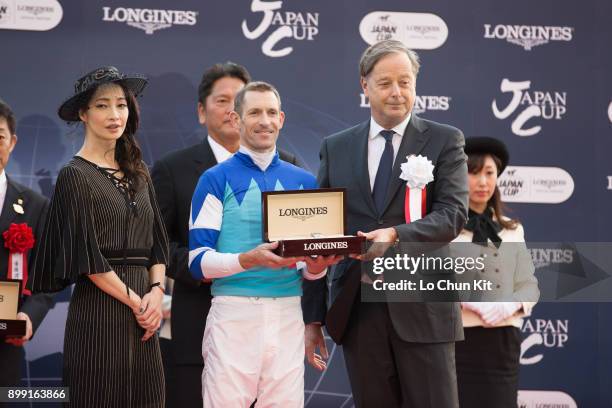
x: 256, y: 86
x: 376, y: 52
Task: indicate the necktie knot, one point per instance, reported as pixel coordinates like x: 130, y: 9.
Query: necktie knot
x: 387, y: 134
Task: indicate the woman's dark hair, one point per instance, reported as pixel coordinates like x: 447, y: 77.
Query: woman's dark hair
x: 475, y: 163
x: 127, y: 150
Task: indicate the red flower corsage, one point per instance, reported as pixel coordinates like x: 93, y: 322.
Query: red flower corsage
x: 18, y: 238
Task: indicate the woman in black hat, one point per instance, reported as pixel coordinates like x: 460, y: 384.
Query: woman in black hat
x: 488, y: 359
x: 104, y: 233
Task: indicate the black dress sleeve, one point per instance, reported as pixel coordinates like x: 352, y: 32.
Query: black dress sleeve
x: 37, y: 305
x: 160, y: 252
x: 68, y: 247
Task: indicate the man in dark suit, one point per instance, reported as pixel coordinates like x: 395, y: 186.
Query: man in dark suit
x: 19, y: 205
x: 175, y: 178
x: 398, y: 354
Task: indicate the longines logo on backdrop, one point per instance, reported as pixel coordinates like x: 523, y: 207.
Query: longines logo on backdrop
x: 280, y: 24
x: 528, y: 36
x: 32, y: 9
x: 35, y: 10
x: 422, y: 103
x: 149, y: 20
x: 533, y: 104
x: 543, y: 185
x: 609, y: 182
x: 423, y: 31
x: 552, y: 334
x: 30, y: 15
x: 543, y: 257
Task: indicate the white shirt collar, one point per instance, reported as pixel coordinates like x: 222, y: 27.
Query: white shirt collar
x: 220, y: 152
x: 262, y: 160
x: 399, y: 129
x: 3, y: 188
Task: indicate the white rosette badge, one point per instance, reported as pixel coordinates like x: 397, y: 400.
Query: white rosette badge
x: 418, y: 172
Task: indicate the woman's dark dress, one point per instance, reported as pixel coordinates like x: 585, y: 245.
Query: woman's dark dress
x: 90, y: 224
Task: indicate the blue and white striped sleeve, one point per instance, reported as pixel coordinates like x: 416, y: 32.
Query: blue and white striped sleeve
x: 205, y: 219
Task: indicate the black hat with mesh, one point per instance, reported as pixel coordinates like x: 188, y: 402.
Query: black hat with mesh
x: 69, y: 110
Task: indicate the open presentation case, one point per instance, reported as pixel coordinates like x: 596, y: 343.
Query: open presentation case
x: 308, y: 222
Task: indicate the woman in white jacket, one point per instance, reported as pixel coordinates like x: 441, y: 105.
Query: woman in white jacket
x: 488, y: 359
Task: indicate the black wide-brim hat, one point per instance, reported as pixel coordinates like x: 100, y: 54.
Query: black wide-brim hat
x: 69, y: 110
x: 488, y: 145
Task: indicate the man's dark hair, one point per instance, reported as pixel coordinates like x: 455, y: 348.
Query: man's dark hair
x: 7, y: 114
x: 218, y: 71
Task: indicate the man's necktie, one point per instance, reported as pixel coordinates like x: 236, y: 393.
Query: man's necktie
x: 383, y: 175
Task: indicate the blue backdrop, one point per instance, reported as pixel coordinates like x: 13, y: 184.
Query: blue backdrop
x: 534, y: 74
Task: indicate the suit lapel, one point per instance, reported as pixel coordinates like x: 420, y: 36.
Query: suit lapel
x: 204, y: 158
x: 413, y: 141
x: 361, y: 164
x: 8, y: 212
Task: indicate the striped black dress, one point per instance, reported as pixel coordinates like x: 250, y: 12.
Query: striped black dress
x: 94, y: 226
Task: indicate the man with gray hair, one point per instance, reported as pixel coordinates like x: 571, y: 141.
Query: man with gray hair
x: 398, y: 354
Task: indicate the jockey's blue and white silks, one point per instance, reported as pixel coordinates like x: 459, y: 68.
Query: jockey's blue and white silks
x: 226, y: 217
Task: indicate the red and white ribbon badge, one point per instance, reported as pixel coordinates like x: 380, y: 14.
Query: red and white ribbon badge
x: 19, y: 238
x: 418, y: 172
x: 415, y: 204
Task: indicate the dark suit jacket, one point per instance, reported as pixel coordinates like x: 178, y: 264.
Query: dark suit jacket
x: 175, y: 177
x: 35, y: 208
x: 344, y: 164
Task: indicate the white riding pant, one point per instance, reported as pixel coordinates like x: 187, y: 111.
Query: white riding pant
x: 253, y: 348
